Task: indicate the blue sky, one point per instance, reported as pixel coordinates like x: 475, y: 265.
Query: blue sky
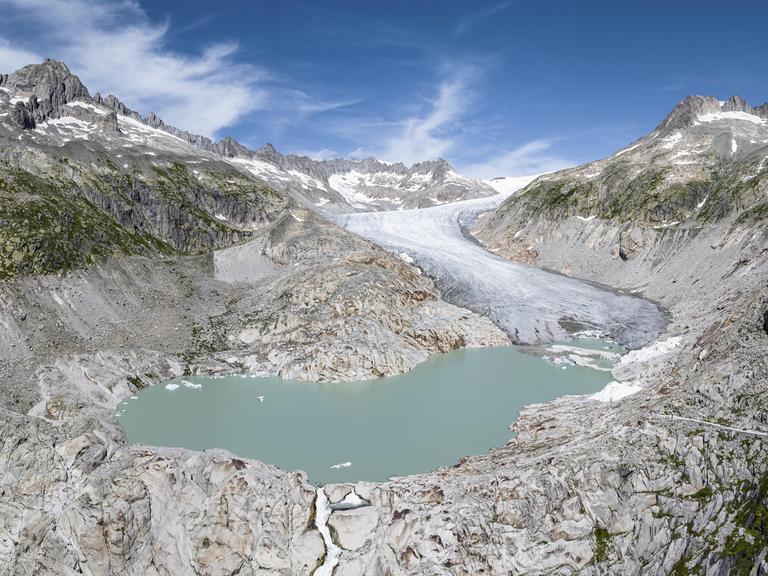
x: 497, y: 87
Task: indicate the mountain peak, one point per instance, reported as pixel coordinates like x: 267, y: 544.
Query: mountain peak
x: 685, y: 114
x: 47, y: 87
x: 51, y: 79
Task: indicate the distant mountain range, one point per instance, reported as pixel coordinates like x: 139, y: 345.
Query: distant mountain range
x: 56, y: 108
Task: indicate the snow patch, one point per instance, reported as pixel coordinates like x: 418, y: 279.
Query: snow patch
x: 733, y: 115
x: 651, y: 351
x: 616, y: 391
x: 88, y: 106
x: 670, y: 141
x: 510, y: 184
x: 332, y: 551
x: 625, y: 150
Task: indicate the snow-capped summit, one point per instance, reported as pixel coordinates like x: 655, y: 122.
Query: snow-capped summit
x: 707, y: 160
x: 344, y: 184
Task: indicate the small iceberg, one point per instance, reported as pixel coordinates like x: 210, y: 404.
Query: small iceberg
x: 171, y: 386
x: 342, y: 465
x: 192, y: 385
x: 260, y: 398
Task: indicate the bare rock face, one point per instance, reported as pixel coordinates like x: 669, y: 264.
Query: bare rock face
x: 21, y: 117
x: 630, y: 242
x: 48, y: 86
x: 108, y: 122
x: 353, y: 528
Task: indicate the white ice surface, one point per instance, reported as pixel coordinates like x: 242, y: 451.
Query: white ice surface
x: 651, y: 351
x: 528, y: 303
x: 733, y: 115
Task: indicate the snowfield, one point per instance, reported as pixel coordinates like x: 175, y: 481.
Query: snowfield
x: 528, y: 303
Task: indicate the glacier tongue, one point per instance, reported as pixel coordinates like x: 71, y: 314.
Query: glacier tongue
x: 530, y: 304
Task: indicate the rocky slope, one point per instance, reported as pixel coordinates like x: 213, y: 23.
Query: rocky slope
x: 679, y: 485
x: 77, y: 187
x: 704, y: 163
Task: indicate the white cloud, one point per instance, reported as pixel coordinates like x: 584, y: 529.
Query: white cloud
x: 470, y: 20
x: 429, y: 136
x: 114, y: 48
x: 530, y: 158
x: 305, y: 104
x: 12, y: 58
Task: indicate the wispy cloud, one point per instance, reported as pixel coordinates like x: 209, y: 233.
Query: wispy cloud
x: 305, y: 104
x: 471, y: 19
x: 12, y: 58
x: 115, y: 48
x: 533, y: 157
x: 432, y: 134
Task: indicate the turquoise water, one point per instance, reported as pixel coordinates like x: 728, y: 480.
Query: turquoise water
x: 450, y: 406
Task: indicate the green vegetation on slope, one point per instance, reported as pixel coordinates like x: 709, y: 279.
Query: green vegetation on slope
x: 72, y: 214
x: 43, y: 231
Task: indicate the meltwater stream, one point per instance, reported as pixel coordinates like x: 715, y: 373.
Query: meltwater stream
x: 450, y: 406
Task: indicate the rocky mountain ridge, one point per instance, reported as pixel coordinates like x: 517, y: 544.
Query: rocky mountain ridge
x: 49, y: 91
x: 705, y: 162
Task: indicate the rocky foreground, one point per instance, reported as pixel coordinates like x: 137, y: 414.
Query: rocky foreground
x: 671, y: 479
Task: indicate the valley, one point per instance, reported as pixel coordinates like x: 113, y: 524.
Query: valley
x: 134, y: 255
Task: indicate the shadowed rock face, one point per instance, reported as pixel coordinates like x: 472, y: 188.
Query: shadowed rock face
x: 48, y: 87
x: 765, y: 321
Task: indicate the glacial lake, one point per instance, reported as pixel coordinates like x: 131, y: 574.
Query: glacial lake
x: 453, y: 405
